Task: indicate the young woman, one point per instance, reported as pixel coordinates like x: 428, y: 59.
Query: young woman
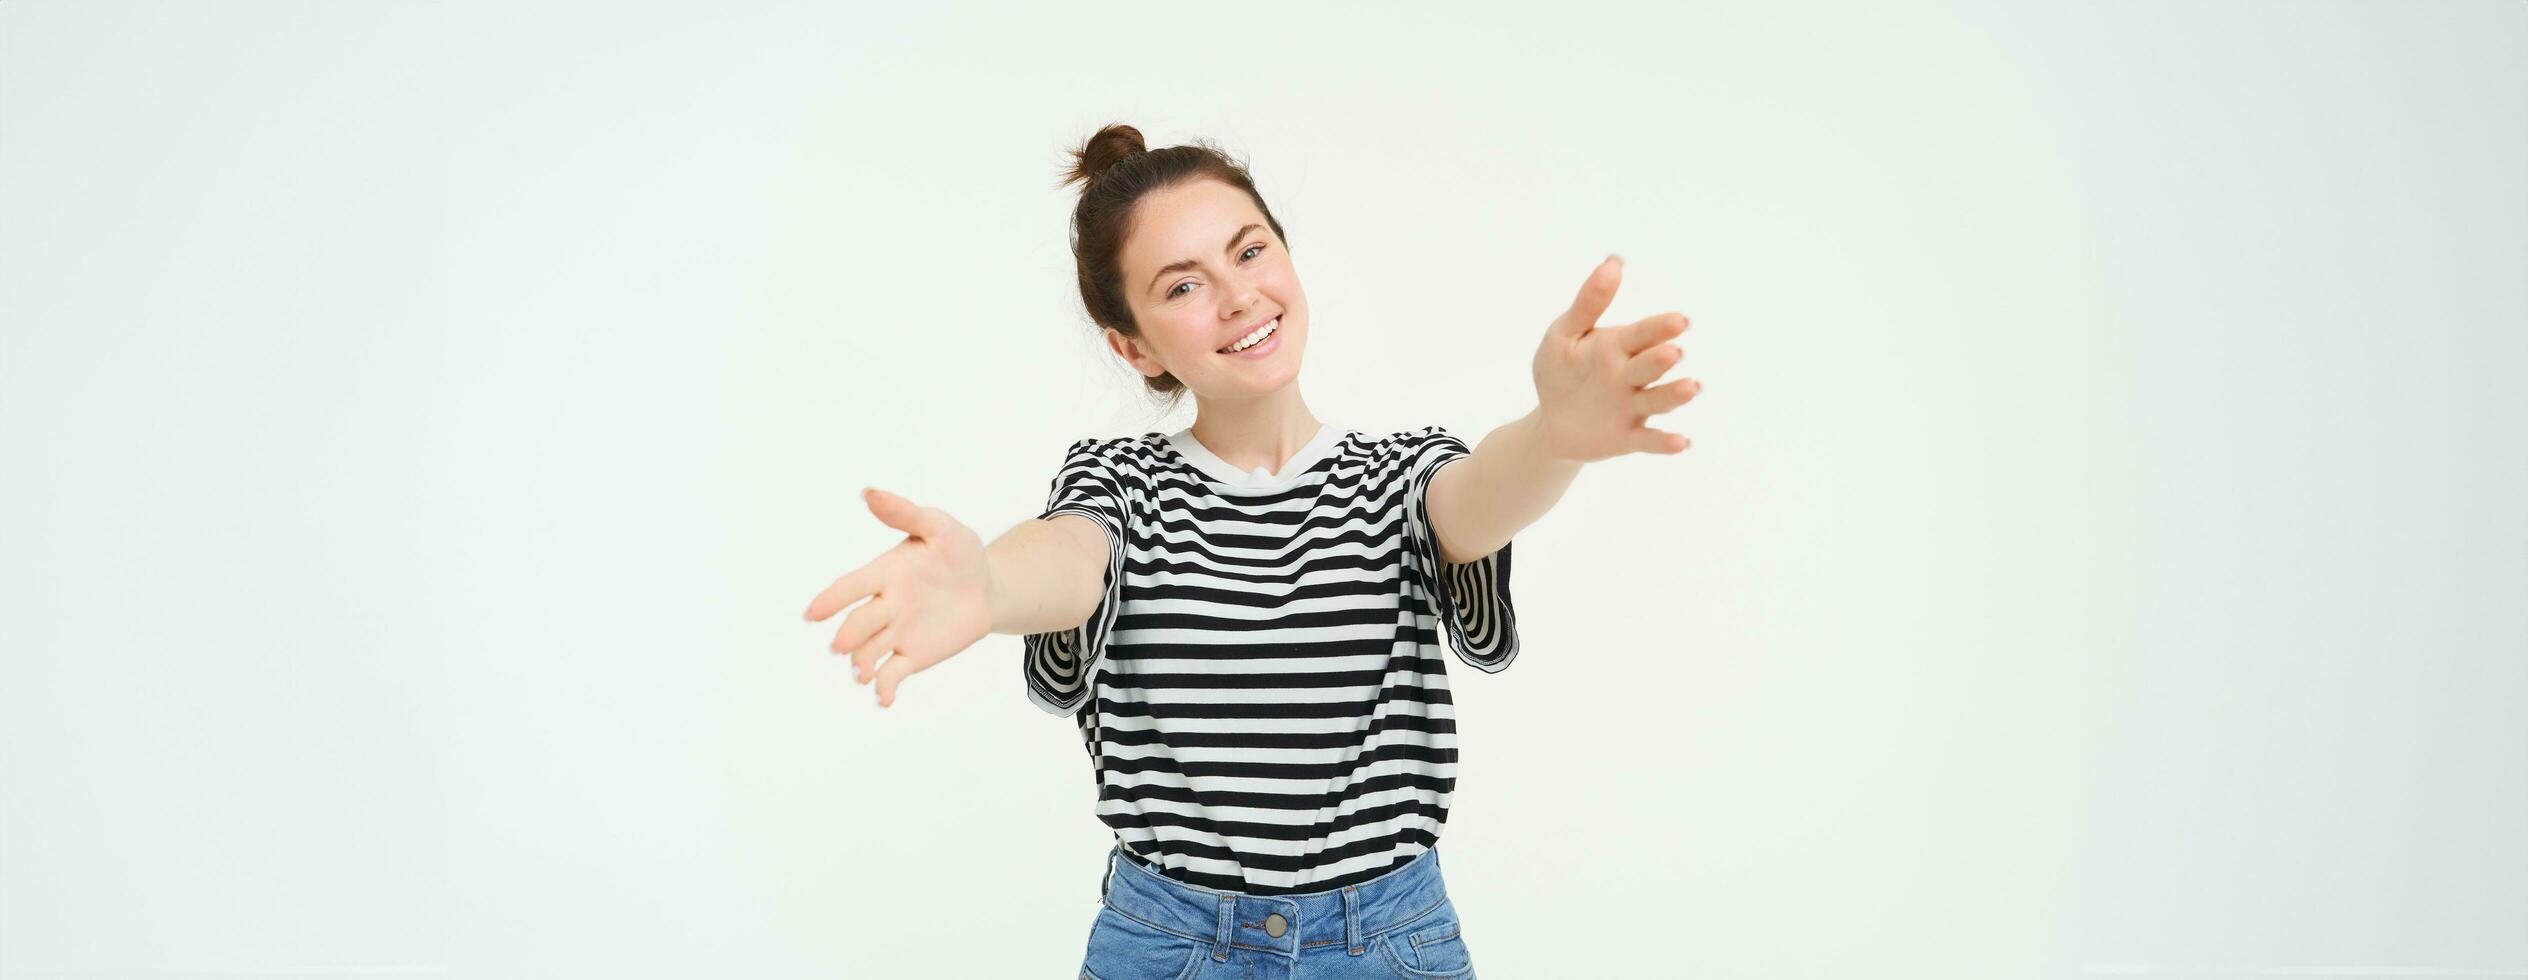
x: 1244, y: 617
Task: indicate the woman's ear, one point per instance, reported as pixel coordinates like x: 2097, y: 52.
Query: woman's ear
x: 1130, y: 349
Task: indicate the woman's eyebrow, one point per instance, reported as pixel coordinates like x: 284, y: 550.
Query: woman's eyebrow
x: 1184, y: 264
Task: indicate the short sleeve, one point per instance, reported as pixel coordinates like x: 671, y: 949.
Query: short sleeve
x: 1061, y: 665
x: 1471, y: 599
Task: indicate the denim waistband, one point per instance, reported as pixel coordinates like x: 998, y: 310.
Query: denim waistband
x: 1348, y: 916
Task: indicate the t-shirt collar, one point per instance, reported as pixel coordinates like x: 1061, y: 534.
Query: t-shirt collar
x: 1318, y: 447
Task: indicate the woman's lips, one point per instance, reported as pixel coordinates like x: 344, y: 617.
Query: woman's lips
x: 1260, y: 346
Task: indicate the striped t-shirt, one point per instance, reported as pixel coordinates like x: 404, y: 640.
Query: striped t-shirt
x: 1261, y: 689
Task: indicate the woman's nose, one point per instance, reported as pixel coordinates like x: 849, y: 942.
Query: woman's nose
x: 1243, y: 296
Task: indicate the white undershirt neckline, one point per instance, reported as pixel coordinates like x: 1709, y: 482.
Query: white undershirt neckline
x: 1319, y: 447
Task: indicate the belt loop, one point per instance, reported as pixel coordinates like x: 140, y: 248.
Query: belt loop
x: 1352, y: 920
x: 1109, y: 880
x: 1228, y: 913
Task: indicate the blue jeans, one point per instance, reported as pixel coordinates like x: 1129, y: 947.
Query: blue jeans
x: 1397, y: 925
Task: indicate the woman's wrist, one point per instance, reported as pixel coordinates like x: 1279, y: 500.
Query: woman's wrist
x: 995, y: 595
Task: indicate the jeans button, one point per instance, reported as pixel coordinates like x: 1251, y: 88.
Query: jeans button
x: 1275, y: 925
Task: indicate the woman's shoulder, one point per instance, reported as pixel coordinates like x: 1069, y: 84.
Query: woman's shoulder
x: 1133, y: 452
x: 1401, y: 442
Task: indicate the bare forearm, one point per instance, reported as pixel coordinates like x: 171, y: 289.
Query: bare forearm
x: 1512, y: 481
x: 1047, y: 574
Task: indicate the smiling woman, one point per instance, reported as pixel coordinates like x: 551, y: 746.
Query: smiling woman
x: 1261, y: 687
x: 1250, y: 620
x: 1179, y: 258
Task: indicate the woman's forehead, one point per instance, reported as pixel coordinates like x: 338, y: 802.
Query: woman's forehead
x: 1194, y: 221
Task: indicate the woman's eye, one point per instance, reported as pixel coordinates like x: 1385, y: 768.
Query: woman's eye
x: 1250, y: 253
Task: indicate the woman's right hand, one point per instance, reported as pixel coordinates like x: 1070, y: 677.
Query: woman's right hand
x: 930, y: 596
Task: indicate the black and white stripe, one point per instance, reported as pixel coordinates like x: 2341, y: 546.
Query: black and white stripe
x: 1261, y: 690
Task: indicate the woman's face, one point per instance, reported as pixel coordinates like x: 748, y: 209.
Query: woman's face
x: 1202, y: 271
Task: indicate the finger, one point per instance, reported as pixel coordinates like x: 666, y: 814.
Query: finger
x: 898, y: 668
x: 1595, y: 293
x: 855, y: 585
x: 1646, y: 367
x: 864, y: 658
x: 1650, y: 330
x: 1666, y: 397
x: 899, y: 513
x: 1648, y: 440
x: 862, y: 625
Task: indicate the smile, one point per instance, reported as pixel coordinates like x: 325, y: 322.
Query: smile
x: 1250, y: 341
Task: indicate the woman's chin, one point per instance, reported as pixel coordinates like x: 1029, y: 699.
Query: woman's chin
x: 1257, y: 381
x: 1279, y: 372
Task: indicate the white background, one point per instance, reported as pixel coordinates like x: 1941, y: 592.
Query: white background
x: 2101, y: 552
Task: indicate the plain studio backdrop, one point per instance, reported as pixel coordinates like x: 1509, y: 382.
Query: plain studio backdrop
x: 2101, y: 551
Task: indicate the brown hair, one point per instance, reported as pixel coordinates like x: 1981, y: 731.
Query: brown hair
x: 1115, y: 168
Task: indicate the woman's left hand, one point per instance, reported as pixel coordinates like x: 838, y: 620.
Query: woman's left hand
x: 1591, y: 401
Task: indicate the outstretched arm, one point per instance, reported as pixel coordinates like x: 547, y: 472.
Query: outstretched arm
x: 1592, y: 403
x: 940, y: 589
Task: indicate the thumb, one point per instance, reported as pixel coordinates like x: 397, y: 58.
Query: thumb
x: 897, y: 512
x: 1595, y: 294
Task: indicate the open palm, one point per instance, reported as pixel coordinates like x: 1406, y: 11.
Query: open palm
x: 930, y: 596
x: 1591, y: 398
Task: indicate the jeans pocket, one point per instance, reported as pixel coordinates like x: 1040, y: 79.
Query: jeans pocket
x: 1121, y: 947
x: 1431, y: 951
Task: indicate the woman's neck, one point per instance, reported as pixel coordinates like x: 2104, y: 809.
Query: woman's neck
x: 1262, y: 433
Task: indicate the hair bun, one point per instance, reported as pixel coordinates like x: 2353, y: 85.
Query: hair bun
x: 1107, y: 147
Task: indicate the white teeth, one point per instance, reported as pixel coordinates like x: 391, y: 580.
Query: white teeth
x: 1257, y: 337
